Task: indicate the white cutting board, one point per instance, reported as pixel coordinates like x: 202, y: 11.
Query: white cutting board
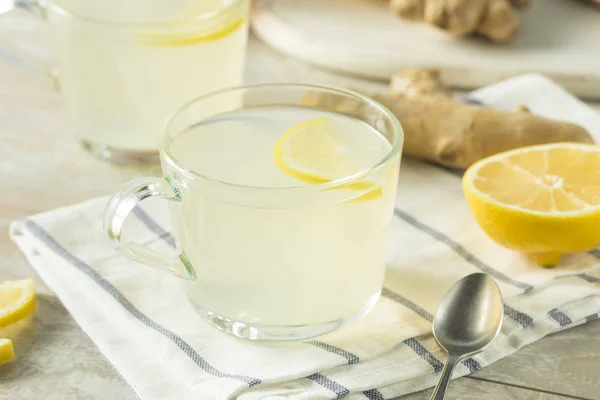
x: 559, y: 38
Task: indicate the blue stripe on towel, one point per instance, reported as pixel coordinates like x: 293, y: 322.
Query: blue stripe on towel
x: 388, y: 294
x: 472, y: 364
x: 523, y: 319
x: 352, y: 358
x: 595, y: 253
x: 153, y: 226
x: 589, y: 278
x: 560, y: 317
x: 472, y: 100
x: 373, y: 394
x: 335, y: 387
x: 424, y: 354
x: 460, y: 250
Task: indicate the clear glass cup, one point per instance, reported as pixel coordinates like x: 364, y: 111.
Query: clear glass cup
x: 267, y: 260
x: 121, y: 80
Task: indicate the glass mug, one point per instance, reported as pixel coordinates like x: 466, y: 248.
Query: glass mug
x: 121, y: 80
x: 265, y: 256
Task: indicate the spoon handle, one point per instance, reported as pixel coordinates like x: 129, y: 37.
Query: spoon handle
x: 440, y: 390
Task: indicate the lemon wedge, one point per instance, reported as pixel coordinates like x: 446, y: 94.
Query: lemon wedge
x: 17, y: 301
x: 312, y: 152
x: 541, y: 200
x: 7, y: 353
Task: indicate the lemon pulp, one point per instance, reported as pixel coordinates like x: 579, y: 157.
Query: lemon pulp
x: 540, y: 200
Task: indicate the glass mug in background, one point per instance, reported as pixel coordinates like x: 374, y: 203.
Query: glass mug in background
x: 265, y: 255
x: 121, y: 80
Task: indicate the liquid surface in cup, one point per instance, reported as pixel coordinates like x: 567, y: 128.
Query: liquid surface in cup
x: 121, y: 82
x: 141, y: 11
x: 284, y: 264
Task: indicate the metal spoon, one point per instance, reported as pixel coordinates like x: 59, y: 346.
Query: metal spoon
x: 466, y: 322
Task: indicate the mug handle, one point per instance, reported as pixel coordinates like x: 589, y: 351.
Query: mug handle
x: 18, y: 56
x: 122, y: 203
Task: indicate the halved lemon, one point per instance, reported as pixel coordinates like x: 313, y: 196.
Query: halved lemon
x: 7, y: 352
x: 17, y: 301
x: 312, y: 152
x: 541, y: 200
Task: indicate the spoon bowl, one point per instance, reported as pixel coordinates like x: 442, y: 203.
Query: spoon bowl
x: 466, y: 322
x: 470, y: 315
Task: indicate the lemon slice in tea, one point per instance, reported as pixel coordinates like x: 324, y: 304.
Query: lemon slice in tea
x: 313, y: 152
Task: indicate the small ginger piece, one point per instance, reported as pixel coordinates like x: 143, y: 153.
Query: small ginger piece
x: 450, y: 132
x: 498, y: 20
x: 418, y: 82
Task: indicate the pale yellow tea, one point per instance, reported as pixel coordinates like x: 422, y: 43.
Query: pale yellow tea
x: 306, y: 256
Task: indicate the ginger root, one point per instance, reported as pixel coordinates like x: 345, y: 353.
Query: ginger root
x: 498, y: 20
x: 450, y: 132
x: 413, y: 82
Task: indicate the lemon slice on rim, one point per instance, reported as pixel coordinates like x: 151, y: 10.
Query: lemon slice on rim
x: 543, y: 201
x: 191, y: 38
x: 312, y: 152
x: 17, y: 301
x: 186, y: 31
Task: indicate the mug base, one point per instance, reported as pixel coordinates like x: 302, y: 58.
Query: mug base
x: 121, y: 156
x: 282, y: 333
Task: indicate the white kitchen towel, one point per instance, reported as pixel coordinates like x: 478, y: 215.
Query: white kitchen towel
x: 141, y: 321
